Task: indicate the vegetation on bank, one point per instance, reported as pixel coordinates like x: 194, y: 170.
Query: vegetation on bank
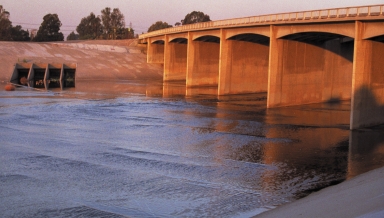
x: 9, y: 32
x: 109, y: 25
x: 191, y: 18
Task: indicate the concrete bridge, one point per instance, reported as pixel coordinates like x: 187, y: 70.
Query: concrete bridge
x: 298, y: 58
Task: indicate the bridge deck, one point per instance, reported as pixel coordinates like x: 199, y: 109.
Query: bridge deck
x: 371, y: 12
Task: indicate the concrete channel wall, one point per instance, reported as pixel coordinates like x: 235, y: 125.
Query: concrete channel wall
x: 95, y: 61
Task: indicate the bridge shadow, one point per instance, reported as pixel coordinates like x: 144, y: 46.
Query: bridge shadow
x: 367, y: 109
x: 366, y: 150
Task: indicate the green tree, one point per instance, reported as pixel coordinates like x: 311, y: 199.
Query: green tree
x: 18, y: 34
x: 113, y: 22
x: 90, y: 27
x: 158, y: 26
x: 5, y: 25
x: 72, y: 36
x: 49, y: 29
x: 195, y: 17
x: 126, y: 33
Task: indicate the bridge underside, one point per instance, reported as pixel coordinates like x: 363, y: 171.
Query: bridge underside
x: 310, y: 68
x: 295, y: 64
x: 175, y: 61
x: 203, y: 61
x: 155, y: 51
x: 244, y: 64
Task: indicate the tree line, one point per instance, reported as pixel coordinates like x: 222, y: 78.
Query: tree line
x: 109, y: 25
x: 8, y: 32
x: 193, y: 17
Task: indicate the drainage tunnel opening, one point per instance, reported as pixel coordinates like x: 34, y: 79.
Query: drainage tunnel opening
x: 22, y: 77
x: 54, y: 78
x: 69, y: 77
x: 38, y: 80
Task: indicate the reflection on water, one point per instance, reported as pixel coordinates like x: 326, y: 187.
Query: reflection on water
x: 112, y: 149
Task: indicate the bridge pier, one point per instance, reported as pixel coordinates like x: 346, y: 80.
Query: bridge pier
x: 367, y: 107
x: 320, y: 56
x: 175, y: 59
x: 203, y: 61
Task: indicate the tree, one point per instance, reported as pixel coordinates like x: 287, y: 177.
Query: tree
x: 195, y: 17
x: 8, y: 32
x: 72, y: 36
x: 113, y: 22
x: 158, y: 26
x: 126, y: 33
x: 5, y: 25
x: 90, y: 27
x: 49, y: 29
x: 18, y: 34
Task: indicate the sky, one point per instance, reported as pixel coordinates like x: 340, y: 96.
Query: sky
x: 143, y: 13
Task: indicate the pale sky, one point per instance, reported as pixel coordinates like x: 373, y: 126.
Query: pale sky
x: 142, y: 13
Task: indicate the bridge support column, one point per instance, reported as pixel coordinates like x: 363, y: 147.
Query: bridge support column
x: 367, y: 107
x: 155, y: 52
x: 243, y: 67
x: 175, y: 61
x: 203, y: 63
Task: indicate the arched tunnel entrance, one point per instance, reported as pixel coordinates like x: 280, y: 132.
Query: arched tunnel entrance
x: 311, y: 67
x: 203, y: 61
x: 244, y: 67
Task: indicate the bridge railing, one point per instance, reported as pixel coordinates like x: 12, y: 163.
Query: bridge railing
x: 338, y: 13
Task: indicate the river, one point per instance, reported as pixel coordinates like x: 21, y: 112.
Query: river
x: 136, y: 149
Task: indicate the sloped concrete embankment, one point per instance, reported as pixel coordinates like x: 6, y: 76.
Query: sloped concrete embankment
x: 362, y: 196
x: 109, y: 61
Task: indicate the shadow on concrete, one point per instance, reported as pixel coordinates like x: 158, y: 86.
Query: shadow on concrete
x: 254, y: 38
x: 366, y: 109
x: 334, y: 100
x: 338, y: 44
x: 366, y: 150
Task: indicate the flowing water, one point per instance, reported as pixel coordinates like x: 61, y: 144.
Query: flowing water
x: 161, y: 150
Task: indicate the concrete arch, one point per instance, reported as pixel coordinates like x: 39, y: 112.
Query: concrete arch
x: 215, y: 33
x: 373, y: 30
x: 179, y: 35
x: 159, y: 42
x: 316, y: 37
x: 335, y: 43
x: 260, y: 30
x: 344, y: 29
x: 251, y: 37
x: 208, y: 38
x: 179, y: 40
x: 378, y: 39
x: 302, y: 56
x: 155, y: 39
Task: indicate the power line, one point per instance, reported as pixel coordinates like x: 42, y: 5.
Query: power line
x: 38, y: 24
